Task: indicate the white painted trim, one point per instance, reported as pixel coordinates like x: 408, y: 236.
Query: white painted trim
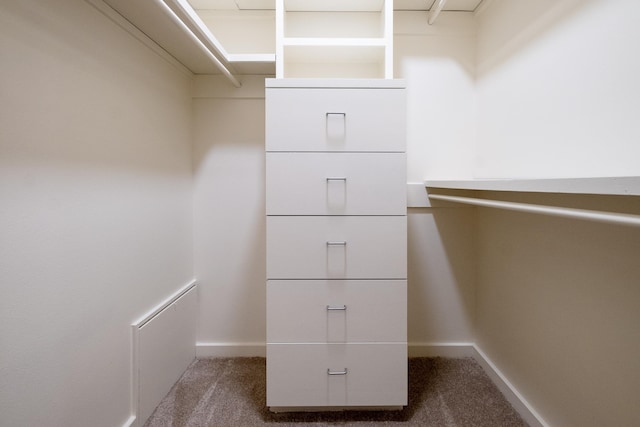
x: 519, y: 403
x: 166, y: 303
x: 130, y: 422
x: 135, y: 330
x: 259, y: 349
x: 449, y: 349
x: 230, y: 349
x: 134, y: 382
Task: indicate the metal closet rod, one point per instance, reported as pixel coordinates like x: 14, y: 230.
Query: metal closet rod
x: 612, y: 218
x: 176, y: 19
x: 435, y: 11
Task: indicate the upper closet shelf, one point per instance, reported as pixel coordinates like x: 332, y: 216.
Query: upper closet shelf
x: 177, y: 29
x: 334, y: 5
x: 334, y: 39
x: 626, y: 186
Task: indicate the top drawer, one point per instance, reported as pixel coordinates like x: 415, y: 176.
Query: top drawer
x: 366, y: 119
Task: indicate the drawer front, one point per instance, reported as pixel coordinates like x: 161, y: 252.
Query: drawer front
x: 335, y: 119
x: 336, y: 247
x: 362, y: 375
x: 336, y: 311
x: 336, y: 184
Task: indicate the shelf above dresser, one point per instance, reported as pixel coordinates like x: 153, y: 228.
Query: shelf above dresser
x: 334, y: 38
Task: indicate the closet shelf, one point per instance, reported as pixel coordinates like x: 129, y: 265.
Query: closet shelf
x: 334, y: 41
x: 582, y: 214
x: 624, y: 185
x: 334, y: 5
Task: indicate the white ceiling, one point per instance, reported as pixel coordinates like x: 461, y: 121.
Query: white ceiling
x: 463, y: 5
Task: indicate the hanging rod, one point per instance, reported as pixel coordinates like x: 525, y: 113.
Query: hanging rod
x: 435, y: 11
x: 612, y: 218
x: 176, y: 19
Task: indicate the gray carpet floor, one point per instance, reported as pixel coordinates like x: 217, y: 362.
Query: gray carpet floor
x: 231, y: 392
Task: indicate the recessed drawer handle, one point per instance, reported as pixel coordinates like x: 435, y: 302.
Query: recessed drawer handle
x: 330, y: 372
x: 337, y: 178
x: 330, y: 243
x: 336, y: 126
x: 330, y: 308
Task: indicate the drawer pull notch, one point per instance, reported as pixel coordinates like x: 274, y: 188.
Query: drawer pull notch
x: 343, y: 372
x: 336, y: 126
x: 332, y: 308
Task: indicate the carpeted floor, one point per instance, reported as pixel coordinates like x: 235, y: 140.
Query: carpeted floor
x: 231, y: 392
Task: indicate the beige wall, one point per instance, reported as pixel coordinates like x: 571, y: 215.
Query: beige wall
x: 229, y: 216
x: 438, y: 64
x: 95, y: 208
x: 557, y: 89
x: 558, y: 312
x: 558, y: 300
x: 441, y: 285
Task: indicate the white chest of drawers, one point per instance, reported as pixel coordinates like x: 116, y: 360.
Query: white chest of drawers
x: 336, y: 244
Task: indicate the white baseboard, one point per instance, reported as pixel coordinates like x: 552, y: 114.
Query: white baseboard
x: 421, y: 349
x: 230, y: 349
x: 519, y: 403
x: 130, y: 422
x: 259, y: 349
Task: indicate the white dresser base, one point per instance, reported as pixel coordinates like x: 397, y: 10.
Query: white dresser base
x: 279, y: 409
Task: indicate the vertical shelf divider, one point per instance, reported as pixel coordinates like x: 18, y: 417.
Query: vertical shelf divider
x: 347, y: 56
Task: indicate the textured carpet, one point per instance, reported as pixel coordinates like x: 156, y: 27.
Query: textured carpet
x: 231, y: 392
